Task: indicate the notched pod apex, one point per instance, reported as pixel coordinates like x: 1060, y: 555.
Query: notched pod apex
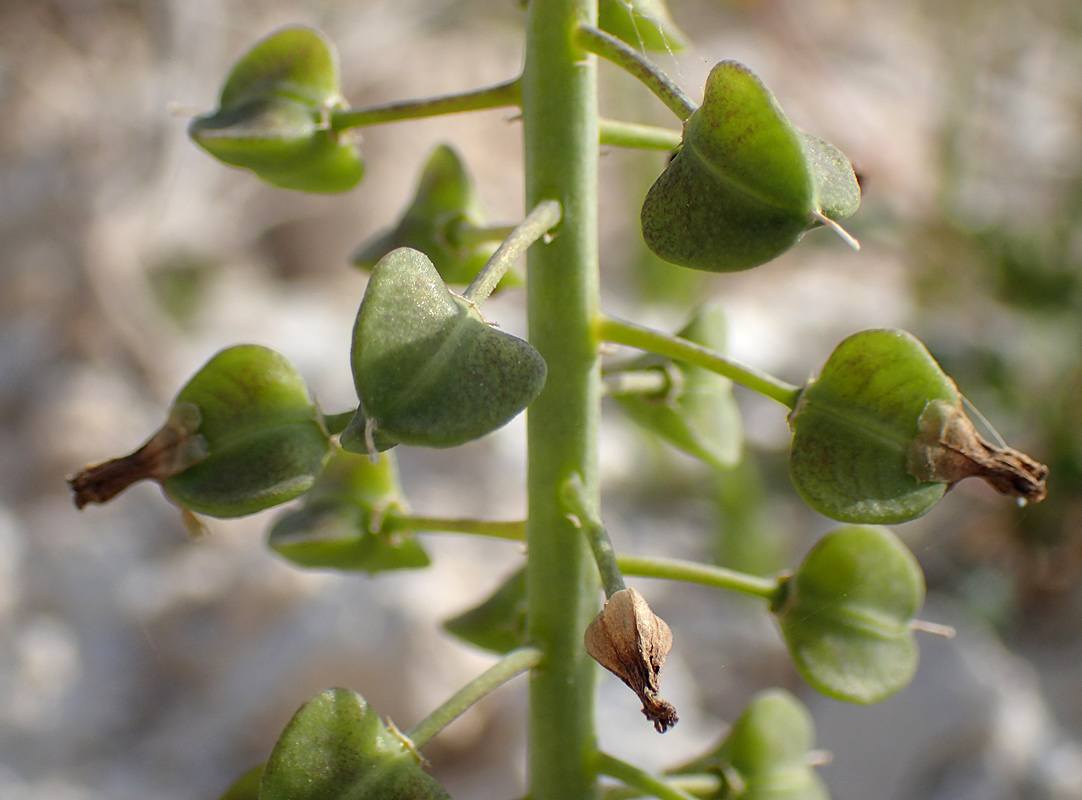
x: 632, y: 643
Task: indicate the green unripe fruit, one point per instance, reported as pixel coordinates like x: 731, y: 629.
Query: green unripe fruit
x: 336, y: 746
x: 428, y: 369
x: 641, y: 24
x: 446, y: 203
x: 263, y: 436
x: 273, y: 116
x: 746, y: 184
x: 847, y: 614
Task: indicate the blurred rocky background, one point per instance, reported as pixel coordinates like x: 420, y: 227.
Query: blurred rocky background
x: 136, y: 662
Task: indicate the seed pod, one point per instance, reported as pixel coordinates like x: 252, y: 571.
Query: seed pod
x: 632, y: 643
x: 641, y: 24
x: 242, y: 435
x: 273, y: 116
x: 428, y: 369
x: 746, y: 184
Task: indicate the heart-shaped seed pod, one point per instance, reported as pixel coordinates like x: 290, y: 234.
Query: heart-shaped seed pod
x: 273, y: 116
x: 446, y: 202
x: 880, y: 435
x: 766, y: 751
x: 641, y: 24
x: 243, y: 435
x: 338, y: 523
x: 428, y: 369
x: 847, y: 614
x: 746, y: 184
x: 697, y: 413
x: 336, y: 746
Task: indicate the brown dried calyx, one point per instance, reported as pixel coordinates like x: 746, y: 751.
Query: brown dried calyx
x: 948, y: 449
x: 173, y: 449
x: 631, y: 642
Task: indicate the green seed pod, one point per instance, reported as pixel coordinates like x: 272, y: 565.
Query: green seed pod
x: 746, y: 184
x: 499, y: 622
x: 264, y: 437
x: 766, y: 754
x: 641, y: 24
x: 445, y: 204
x: 336, y: 746
x: 242, y: 435
x: 273, y: 116
x: 337, y: 525
x: 698, y: 413
x: 853, y: 426
x: 428, y: 369
x: 847, y: 614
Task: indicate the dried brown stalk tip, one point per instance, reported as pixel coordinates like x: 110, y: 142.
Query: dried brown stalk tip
x: 174, y: 448
x: 948, y: 449
x: 631, y: 642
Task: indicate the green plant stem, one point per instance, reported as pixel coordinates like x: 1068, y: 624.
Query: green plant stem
x: 500, y: 95
x: 514, y: 663
x: 645, y: 137
x: 638, y: 779
x: 694, y: 572
x: 588, y: 518
x: 560, y: 129
x: 627, y: 58
x: 510, y: 530
x: 610, y: 329
x: 544, y: 216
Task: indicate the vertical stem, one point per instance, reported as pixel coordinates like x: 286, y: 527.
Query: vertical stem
x: 560, y: 126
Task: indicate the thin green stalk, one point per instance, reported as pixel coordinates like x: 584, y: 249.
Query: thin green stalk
x: 618, y: 331
x: 646, y: 137
x: 636, y: 778
x: 544, y: 216
x: 500, y: 95
x: 627, y: 58
x: 560, y: 129
x: 514, y: 663
x: 588, y: 518
x: 694, y: 572
x: 510, y: 530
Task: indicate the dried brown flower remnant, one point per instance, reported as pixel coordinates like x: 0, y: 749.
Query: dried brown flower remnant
x: 174, y: 448
x: 631, y: 642
x: 949, y: 449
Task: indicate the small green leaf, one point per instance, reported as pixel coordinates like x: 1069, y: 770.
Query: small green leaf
x: 641, y: 24
x: 428, y: 369
x: 854, y: 425
x: 337, y: 748
x: 274, y: 116
x: 746, y: 184
x: 446, y: 201
x: 765, y: 755
x: 847, y: 614
x: 337, y: 525
x: 263, y: 436
x: 699, y: 415
x: 499, y: 623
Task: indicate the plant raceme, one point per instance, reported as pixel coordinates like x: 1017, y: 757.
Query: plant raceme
x: 878, y: 437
